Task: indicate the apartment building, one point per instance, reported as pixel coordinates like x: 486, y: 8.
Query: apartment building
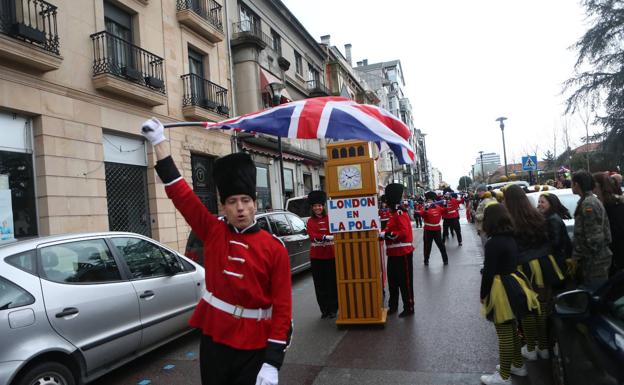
x: 77, y: 79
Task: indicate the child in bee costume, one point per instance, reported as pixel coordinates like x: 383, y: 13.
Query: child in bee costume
x: 398, y: 236
x: 322, y: 256
x: 506, y: 294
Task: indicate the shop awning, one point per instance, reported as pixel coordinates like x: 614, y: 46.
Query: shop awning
x: 271, y: 152
x: 267, y: 78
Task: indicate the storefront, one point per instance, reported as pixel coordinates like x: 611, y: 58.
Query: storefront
x: 18, y: 212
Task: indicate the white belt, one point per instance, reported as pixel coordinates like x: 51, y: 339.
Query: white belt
x: 321, y: 244
x: 431, y: 224
x: 451, y: 212
x: 235, y: 310
x: 392, y: 246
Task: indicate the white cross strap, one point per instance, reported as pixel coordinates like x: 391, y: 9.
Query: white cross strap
x: 236, y: 310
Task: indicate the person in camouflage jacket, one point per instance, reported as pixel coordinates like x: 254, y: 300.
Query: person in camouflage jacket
x: 591, y: 233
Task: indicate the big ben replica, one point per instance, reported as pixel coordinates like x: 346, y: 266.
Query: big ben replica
x: 351, y: 182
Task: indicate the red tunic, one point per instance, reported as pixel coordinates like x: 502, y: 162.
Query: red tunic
x: 248, y: 269
x: 452, y: 208
x: 431, y: 217
x: 319, y: 248
x: 400, y: 226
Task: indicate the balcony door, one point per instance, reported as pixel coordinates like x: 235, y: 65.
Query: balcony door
x: 249, y: 22
x: 196, y: 69
x: 119, y: 25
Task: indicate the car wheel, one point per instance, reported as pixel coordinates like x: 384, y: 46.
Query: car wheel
x: 557, y: 364
x: 48, y: 373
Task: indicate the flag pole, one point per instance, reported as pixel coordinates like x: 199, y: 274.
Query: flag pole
x: 185, y: 124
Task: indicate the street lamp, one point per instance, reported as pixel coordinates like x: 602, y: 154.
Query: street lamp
x: 276, y: 96
x: 501, y: 120
x: 482, y: 173
x: 392, y: 165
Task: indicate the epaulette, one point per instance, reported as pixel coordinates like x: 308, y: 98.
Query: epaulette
x: 279, y: 240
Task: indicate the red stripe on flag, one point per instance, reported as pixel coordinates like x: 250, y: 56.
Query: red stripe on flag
x: 392, y: 123
x: 310, y: 117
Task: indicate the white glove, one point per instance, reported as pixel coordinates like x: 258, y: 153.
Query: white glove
x: 267, y: 375
x: 382, y: 234
x: 328, y: 237
x: 153, y: 131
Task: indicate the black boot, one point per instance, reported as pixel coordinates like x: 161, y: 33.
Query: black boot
x: 406, y: 313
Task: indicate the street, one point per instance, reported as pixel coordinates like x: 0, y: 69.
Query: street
x: 447, y: 341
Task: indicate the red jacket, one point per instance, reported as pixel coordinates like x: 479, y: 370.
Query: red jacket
x: 432, y: 217
x: 250, y: 269
x: 319, y: 248
x: 400, y: 227
x: 452, y: 207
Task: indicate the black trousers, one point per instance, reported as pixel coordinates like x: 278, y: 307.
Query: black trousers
x: 325, y: 287
x: 434, y: 235
x: 418, y: 219
x: 453, y: 224
x: 401, y: 279
x: 223, y: 365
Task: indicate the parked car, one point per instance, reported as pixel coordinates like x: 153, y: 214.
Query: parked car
x: 74, y: 307
x: 299, y: 206
x: 494, y: 186
x: 285, y: 225
x: 567, y: 198
x: 588, y: 335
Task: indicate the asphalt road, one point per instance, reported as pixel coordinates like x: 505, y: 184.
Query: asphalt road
x: 447, y: 342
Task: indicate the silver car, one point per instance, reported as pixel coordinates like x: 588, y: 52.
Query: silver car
x: 74, y: 307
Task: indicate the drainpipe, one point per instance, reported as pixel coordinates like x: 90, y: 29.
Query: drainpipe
x: 232, y: 79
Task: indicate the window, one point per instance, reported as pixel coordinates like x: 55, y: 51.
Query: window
x: 263, y: 189
x: 248, y: 20
x: 281, y: 225
x: 277, y: 42
x: 307, y: 183
x: 263, y: 223
x: 79, y: 262
x: 313, y: 75
x: 298, y: 63
x: 24, y: 261
x: 12, y: 296
x: 119, y: 24
x: 298, y: 226
x: 288, y: 180
x: 144, y: 259
x: 321, y: 182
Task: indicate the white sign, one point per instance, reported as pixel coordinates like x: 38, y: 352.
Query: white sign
x: 6, y: 217
x: 353, y: 214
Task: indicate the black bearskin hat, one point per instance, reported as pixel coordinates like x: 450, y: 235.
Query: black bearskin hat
x: 394, y: 194
x: 431, y: 195
x: 317, y: 196
x: 382, y: 199
x: 235, y: 174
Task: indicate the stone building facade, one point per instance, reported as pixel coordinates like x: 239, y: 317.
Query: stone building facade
x: 75, y: 85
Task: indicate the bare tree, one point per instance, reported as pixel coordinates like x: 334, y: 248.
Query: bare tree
x: 565, y: 132
x: 585, y: 114
x: 554, y: 131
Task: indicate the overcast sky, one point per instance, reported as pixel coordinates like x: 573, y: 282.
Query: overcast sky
x: 465, y: 64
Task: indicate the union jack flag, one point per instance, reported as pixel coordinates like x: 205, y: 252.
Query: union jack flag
x: 330, y: 118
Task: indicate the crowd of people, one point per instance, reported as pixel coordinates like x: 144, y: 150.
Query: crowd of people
x: 529, y: 256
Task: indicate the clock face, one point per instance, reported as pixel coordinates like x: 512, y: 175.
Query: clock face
x: 350, y: 177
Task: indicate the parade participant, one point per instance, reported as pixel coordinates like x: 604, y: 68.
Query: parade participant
x: 607, y: 191
x: 561, y: 246
x: 592, y: 234
x: 432, y: 215
x: 245, y: 313
x: 486, y: 199
x: 418, y: 207
x: 322, y: 259
x: 506, y: 296
x: 536, y: 261
x: 384, y: 212
x: 399, y: 248
x: 451, y: 218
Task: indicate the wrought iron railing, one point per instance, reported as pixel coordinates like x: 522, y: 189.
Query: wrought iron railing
x: 208, y: 9
x: 317, y: 87
x: 250, y: 29
x: 204, y: 93
x: 33, y: 21
x: 119, y: 57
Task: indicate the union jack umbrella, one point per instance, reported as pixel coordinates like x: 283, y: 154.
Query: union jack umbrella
x: 325, y: 117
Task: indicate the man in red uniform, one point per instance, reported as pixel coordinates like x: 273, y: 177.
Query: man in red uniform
x: 384, y: 212
x: 398, y: 236
x: 451, y: 218
x: 322, y: 259
x: 432, y: 214
x: 245, y: 315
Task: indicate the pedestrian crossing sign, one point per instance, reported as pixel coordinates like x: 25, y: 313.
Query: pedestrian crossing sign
x: 529, y: 163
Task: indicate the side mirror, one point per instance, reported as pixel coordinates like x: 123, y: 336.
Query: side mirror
x: 573, y: 304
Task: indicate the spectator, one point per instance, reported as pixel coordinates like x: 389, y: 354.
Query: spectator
x: 535, y: 262
x: 561, y: 246
x: 606, y: 191
x: 592, y: 235
x: 486, y: 200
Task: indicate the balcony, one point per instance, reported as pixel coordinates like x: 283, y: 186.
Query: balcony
x: 249, y: 33
x: 28, y: 33
x: 315, y: 88
x: 122, y: 68
x: 203, y: 17
x: 203, y: 100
